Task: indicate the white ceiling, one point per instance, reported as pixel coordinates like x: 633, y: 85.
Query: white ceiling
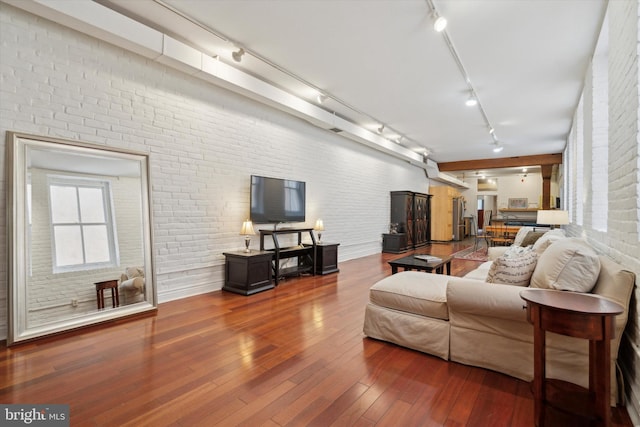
x: 526, y: 60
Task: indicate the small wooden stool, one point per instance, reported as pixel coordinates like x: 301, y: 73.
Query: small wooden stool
x: 107, y: 284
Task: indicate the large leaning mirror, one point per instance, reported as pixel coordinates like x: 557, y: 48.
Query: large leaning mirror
x: 79, y: 231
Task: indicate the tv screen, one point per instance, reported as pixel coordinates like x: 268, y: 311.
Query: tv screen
x: 275, y: 200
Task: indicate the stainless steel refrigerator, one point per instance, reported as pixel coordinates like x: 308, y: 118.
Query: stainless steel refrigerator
x: 458, y: 218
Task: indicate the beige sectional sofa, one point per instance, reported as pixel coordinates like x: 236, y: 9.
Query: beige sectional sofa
x: 471, y: 321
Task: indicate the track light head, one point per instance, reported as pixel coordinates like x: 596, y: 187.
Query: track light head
x: 440, y: 23
x: 471, y: 101
x: 381, y: 129
x: 498, y: 148
x: 237, y: 55
x: 321, y: 98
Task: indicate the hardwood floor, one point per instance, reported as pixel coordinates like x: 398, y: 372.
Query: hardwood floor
x: 293, y: 356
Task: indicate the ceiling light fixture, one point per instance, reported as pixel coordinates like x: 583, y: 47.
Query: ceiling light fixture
x: 381, y: 129
x: 440, y: 23
x: 463, y: 71
x: 321, y: 98
x: 498, y: 148
x: 237, y: 55
x: 471, y: 101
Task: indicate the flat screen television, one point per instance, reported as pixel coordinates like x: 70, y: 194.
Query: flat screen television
x: 275, y: 200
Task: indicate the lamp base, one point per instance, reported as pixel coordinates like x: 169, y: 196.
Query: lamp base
x: 247, y: 240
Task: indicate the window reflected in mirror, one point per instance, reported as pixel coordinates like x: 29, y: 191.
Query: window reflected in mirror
x: 81, y: 239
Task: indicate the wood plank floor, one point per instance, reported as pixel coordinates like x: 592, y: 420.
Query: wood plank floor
x: 292, y: 356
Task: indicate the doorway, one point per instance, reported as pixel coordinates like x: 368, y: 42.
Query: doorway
x: 487, y: 206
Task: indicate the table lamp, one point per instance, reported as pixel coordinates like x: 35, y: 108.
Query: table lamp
x: 247, y: 231
x: 553, y: 217
x: 319, y: 227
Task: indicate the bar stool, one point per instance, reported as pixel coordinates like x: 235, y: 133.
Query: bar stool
x: 107, y: 284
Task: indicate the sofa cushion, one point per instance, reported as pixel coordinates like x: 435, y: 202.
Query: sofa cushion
x: 415, y: 292
x: 513, y: 270
x: 532, y: 237
x: 569, y: 264
x: 547, y: 239
x: 481, y: 272
x: 521, y: 234
x: 515, y: 251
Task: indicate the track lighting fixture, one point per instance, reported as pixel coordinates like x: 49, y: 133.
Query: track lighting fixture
x: 321, y: 98
x: 471, y: 101
x: 491, y: 131
x: 380, y: 129
x: 440, y: 23
x: 237, y: 55
x: 497, y: 147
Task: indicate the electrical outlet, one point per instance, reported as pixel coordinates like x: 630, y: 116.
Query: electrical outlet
x: 74, y: 302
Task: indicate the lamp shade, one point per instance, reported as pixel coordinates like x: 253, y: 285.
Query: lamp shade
x: 247, y: 228
x: 319, y: 225
x: 553, y: 217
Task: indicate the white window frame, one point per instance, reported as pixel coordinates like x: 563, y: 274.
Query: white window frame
x: 109, y: 222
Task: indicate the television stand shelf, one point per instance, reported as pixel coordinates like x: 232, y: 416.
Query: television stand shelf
x: 305, y: 253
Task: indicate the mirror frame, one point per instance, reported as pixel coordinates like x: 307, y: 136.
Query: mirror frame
x: 17, y: 145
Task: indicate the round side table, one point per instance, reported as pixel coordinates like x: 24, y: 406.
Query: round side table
x: 581, y: 316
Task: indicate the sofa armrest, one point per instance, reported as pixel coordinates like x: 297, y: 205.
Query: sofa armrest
x: 496, y: 252
x: 136, y: 284
x: 486, y: 299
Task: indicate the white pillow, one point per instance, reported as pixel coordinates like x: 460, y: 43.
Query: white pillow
x: 515, y: 251
x: 569, y: 264
x: 547, y: 239
x: 521, y: 234
x: 513, y: 270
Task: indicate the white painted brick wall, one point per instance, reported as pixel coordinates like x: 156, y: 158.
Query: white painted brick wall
x: 624, y: 176
x: 621, y: 241
x: 600, y: 142
x: 204, y: 143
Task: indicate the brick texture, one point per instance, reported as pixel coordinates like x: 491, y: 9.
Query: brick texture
x: 204, y: 143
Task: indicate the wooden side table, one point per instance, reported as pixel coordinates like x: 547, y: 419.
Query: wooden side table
x: 326, y: 258
x: 581, y: 316
x: 395, y: 243
x: 107, y: 284
x: 247, y: 273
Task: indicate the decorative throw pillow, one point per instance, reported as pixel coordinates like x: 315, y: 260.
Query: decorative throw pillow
x: 520, y: 235
x: 569, y: 264
x: 531, y: 238
x: 515, y: 251
x: 516, y: 270
x: 546, y: 240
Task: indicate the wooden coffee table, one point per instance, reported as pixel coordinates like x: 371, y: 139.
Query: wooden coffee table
x: 412, y: 263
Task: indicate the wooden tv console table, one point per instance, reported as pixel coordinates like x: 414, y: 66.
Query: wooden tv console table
x: 304, y: 252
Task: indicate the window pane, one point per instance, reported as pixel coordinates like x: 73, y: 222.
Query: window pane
x: 96, y: 243
x: 91, y: 204
x: 68, y: 245
x: 64, y: 205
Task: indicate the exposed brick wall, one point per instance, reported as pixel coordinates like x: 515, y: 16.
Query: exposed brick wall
x: 204, y: 143
x: 621, y: 240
